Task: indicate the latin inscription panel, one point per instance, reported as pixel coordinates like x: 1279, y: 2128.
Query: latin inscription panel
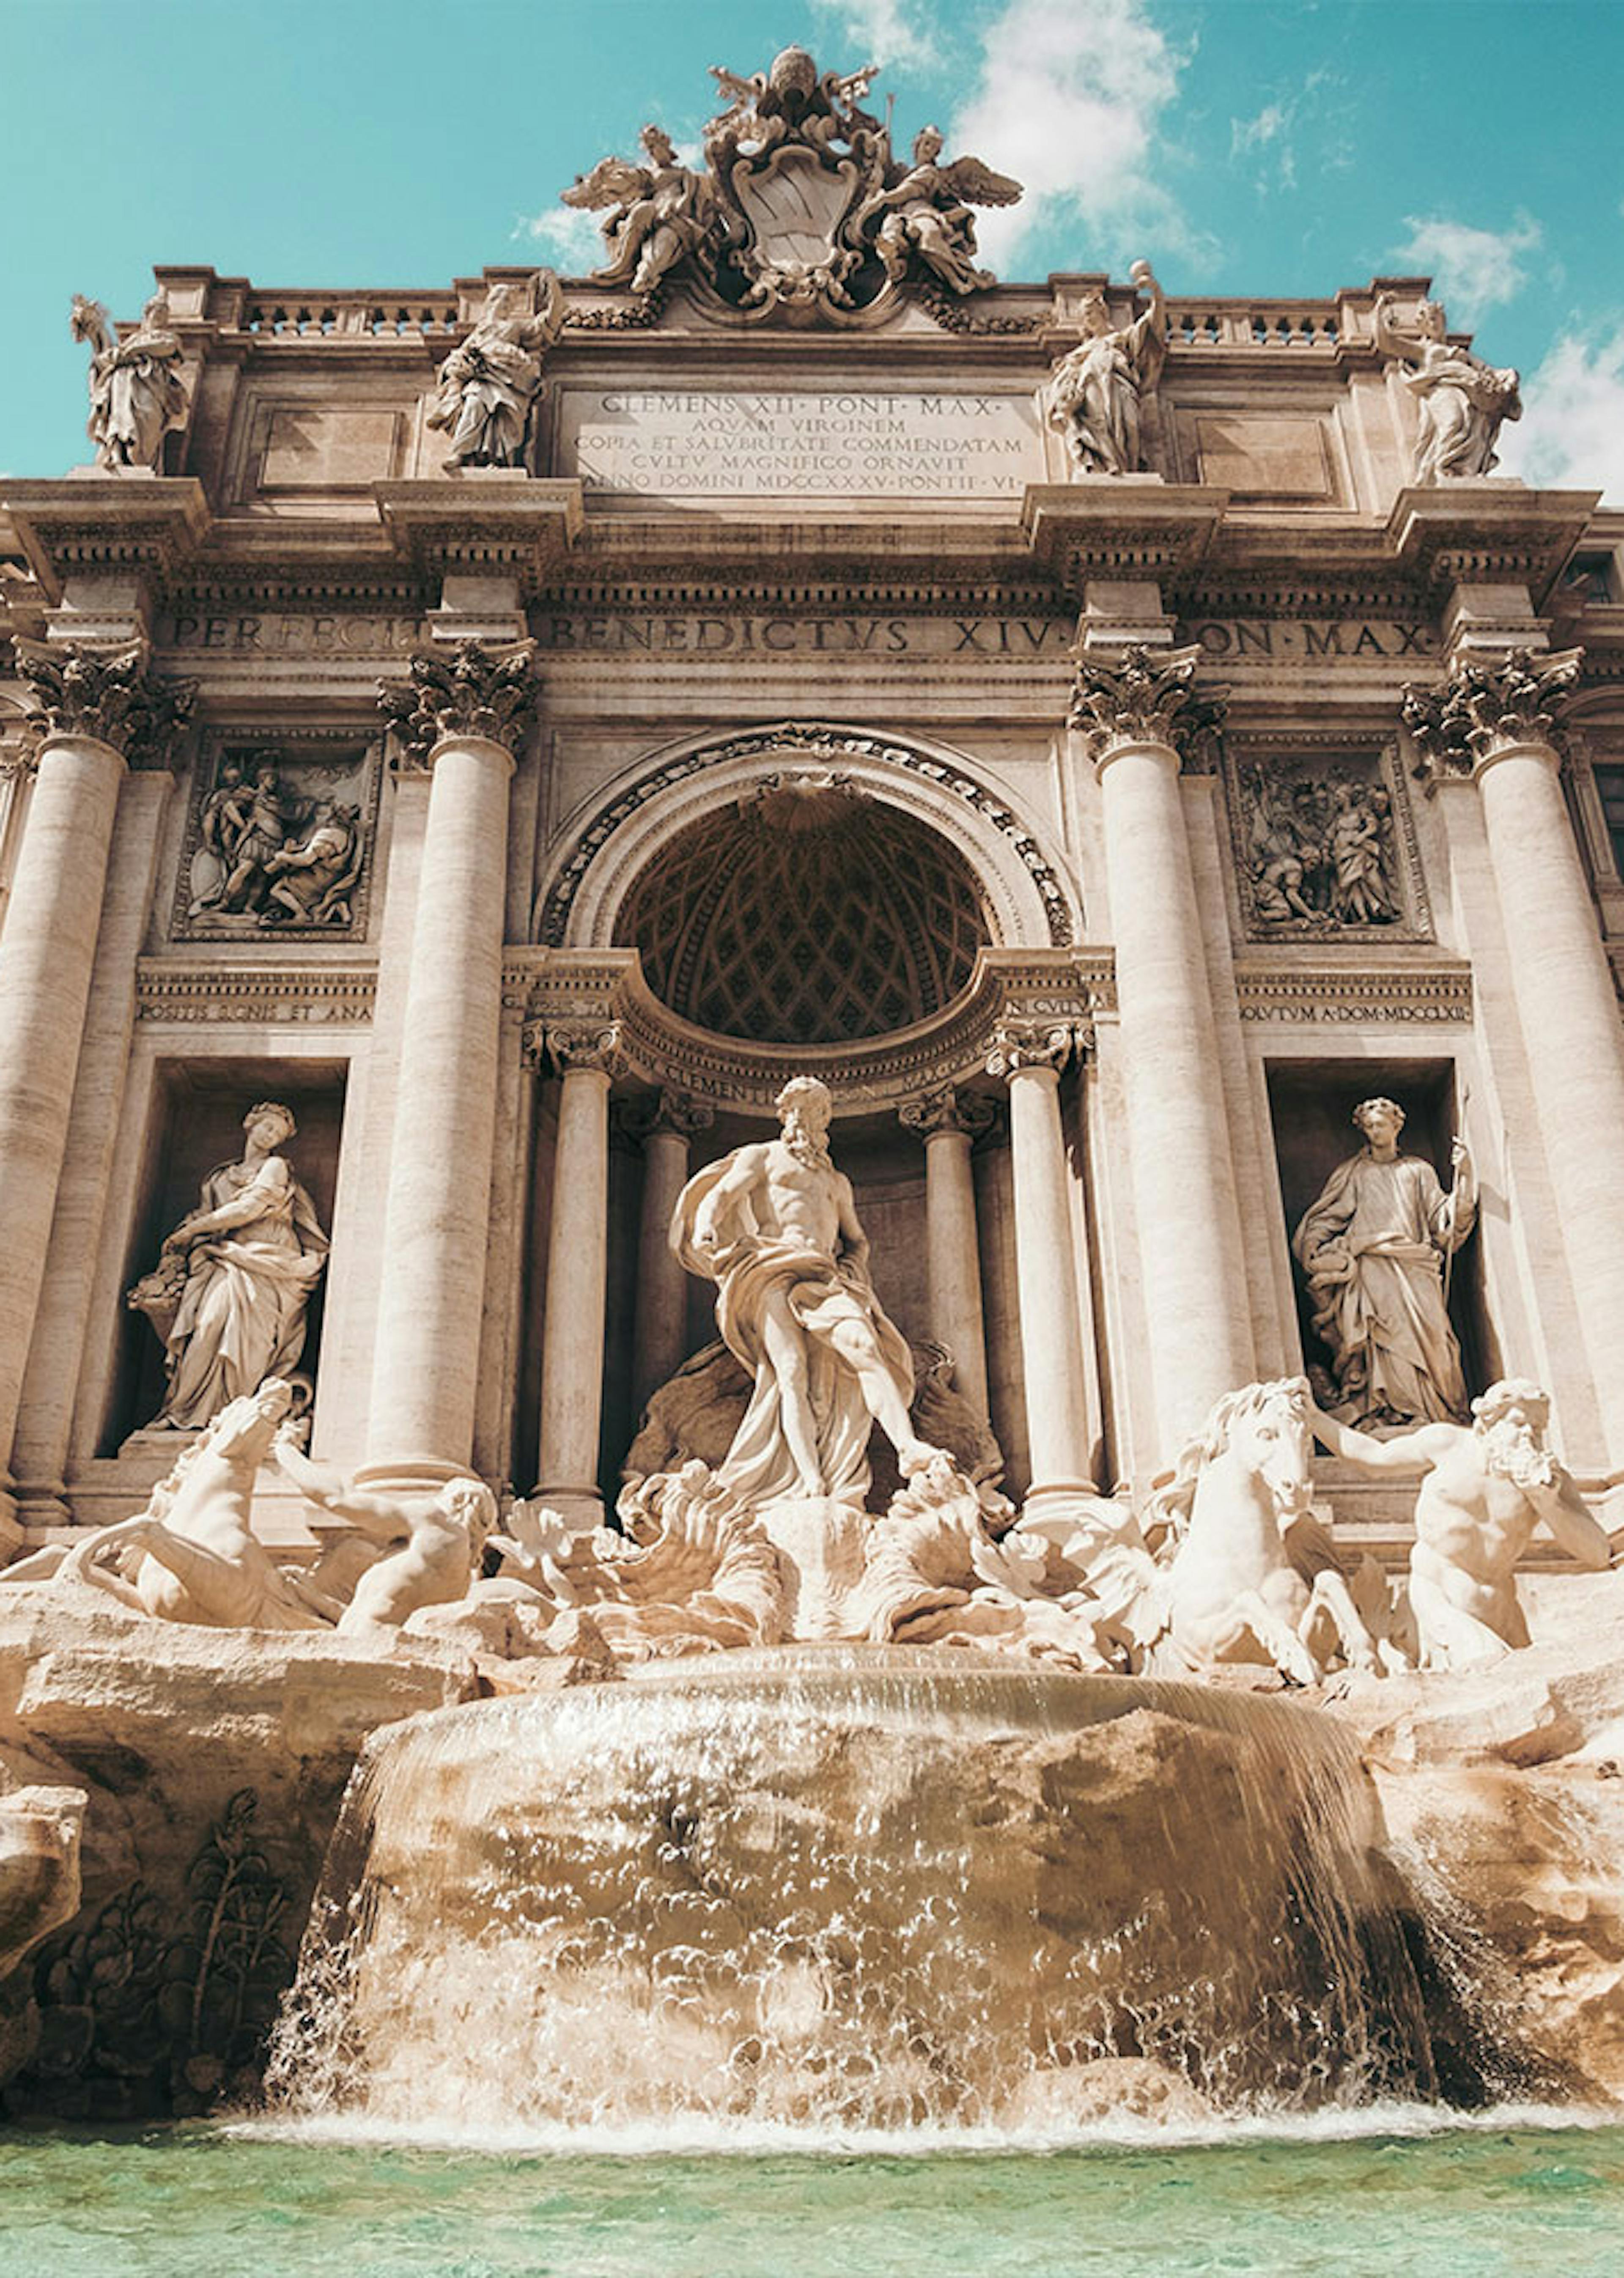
x: 822, y: 443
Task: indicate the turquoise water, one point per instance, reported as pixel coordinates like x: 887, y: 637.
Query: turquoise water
x: 1503, y: 2197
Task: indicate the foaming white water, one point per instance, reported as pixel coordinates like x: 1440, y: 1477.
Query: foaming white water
x: 853, y: 1895
x: 696, y: 2136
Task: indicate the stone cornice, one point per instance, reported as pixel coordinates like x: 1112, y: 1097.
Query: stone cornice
x: 265, y: 993
x: 108, y: 525
x: 594, y: 989
x: 487, y: 525
x: 1116, y: 526
x: 107, y: 695
x: 1456, y: 533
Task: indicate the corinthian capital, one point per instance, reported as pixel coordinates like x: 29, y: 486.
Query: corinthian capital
x: 575, y: 1045
x: 107, y: 695
x: 1145, y: 696
x: 948, y: 1110
x: 1018, y: 1044
x: 477, y: 691
x: 1483, y: 708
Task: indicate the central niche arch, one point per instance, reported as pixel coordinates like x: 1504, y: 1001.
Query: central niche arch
x: 806, y: 913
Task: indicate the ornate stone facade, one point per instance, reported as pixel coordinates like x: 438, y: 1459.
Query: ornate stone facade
x: 1106, y: 736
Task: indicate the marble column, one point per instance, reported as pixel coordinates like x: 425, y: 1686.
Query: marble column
x: 1029, y: 1056
x: 661, y: 1340
x: 948, y: 1122
x: 459, y: 717
x: 1132, y: 711
x: 572, y: 1356
x: 1496, y: 721
x: 101, y: 709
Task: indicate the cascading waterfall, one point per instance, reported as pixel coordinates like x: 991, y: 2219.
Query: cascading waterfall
x: 848, y: 1887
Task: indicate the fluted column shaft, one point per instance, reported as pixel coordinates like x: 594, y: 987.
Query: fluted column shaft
x: 952, y: 1254
x: 1568, y: 1011
x: 1133, y: 710
x: 577, y: 1275
x: 431, y: 1298
x: 1056, y: 1386
x: 660, y: 1344
x: 47, y: 951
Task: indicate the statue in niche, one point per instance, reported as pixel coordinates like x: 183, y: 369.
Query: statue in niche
x: 1320, y: 852
x: 657, y: 212
x: 1096, y: 394
x: 924, y: 213
x: 1488, y: 1486
x: 486, y: 389
x: 1461, y: 402
x: 229, y: 1292
x: 775, y: 1226
x: 136, y: 392
x: 1372, y: 1250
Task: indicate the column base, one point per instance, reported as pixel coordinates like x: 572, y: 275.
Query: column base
x: 410, y: 1474
x: 581, y: 1508
x: 1067, y: 1501
x: 11, y: 1530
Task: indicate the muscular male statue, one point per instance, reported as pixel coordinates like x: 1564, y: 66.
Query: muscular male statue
x: 775, y: 1226
x: 1488, y: 1485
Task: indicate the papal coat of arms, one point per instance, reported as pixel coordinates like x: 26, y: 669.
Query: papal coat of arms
x: 801, y: 206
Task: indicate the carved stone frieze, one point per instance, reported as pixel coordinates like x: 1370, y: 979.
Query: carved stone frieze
x: 1323, y: 842
x: 1483, y: 708
x: 1139, y: 696
x: 968, y: 1113
x: 1432, y: 994
x: 108, y: 695
x: 261, y: 994
x: 279, y: 836
x: 477, y: 690
x: 826, y: 744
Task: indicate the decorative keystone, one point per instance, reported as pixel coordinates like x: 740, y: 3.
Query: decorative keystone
x: 477, y: 691
x: 107, y: 695
x: 1483, y: 709
x: 1146, y: 696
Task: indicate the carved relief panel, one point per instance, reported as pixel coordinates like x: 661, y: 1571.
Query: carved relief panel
x: 280, y: 836
x: 1323, y: 842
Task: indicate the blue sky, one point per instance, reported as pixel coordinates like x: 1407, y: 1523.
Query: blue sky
x: 1243, y: 146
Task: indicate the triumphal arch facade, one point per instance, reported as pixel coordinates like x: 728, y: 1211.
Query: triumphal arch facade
x: 490, y: 738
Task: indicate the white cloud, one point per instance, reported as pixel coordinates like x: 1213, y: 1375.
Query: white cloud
x: 882, y: 31
x: 1471, y: 270
x: 1070, y: 97
x: 567, y: 235
x: 1572, y: 430
x: 1257, y: 133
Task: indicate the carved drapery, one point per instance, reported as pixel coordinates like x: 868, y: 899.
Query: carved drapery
x: 1483, y: 708
x: 1139, y: 696
x: 479, y: 692
x: 107, y: 696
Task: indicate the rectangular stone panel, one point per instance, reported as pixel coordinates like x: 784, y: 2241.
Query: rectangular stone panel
x: 322, y: 449
x: 1272, y: 458
x: 820, y: 443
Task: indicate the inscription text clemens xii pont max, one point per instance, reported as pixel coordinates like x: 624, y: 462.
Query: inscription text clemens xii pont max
x: 838, y: 442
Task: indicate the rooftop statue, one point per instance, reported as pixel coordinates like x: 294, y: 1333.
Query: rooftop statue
x: 657, y: 212
x: 801, y: 206
x: 1461, y: 402
x: 487, y: 387
x: 136, y: 392
x: 1096, y: 394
